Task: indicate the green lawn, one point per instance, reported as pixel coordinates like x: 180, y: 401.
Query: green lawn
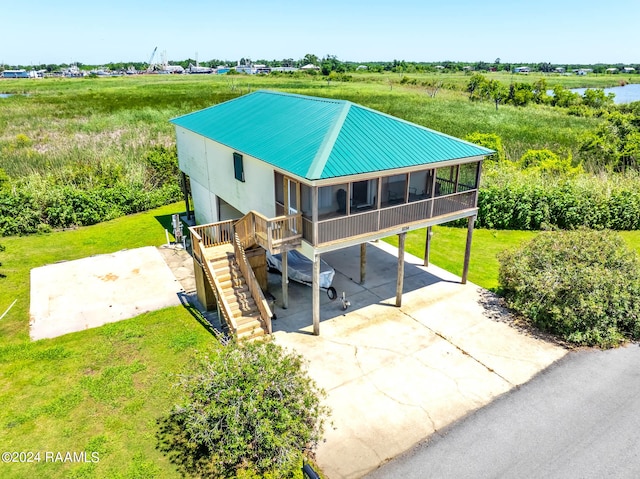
x: 447, y: 249
x: 100, y: 390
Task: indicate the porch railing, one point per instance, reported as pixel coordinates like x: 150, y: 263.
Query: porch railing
x: 342, y: 227
x: 214, y: 234
x: 270, y: 233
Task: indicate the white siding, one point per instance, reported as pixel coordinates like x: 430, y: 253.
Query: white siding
x: 210, y: 166
x: 204, y: 204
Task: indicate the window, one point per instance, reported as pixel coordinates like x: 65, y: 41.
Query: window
x: 393, y: 190
x: 468, y: 179
x: 363, y: 195
x: 238, y: 168
x: 446, y: 179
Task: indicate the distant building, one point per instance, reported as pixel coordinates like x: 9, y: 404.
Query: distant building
x: 629, y: 69
x: 15, y: 74
x: 524, y: 70
x: 611, y: 70
x: 284, y: 69
x: 197, y: 69
x: 310, y: 66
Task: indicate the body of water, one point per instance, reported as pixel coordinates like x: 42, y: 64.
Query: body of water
x: 624, y: 94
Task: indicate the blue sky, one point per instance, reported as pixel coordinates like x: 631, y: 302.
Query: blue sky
x: 560, y: 31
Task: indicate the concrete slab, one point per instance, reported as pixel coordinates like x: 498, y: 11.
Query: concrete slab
x: 395, y: 376
x: 86, y: 293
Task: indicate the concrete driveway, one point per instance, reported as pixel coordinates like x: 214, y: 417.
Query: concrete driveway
x: 86, y: 293
x: 395, y: 376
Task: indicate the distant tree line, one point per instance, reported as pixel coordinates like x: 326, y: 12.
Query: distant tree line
x: 329, y: 63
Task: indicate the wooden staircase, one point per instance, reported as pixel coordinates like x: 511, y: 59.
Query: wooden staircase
x: 242, y: 308
x: 219, y: 252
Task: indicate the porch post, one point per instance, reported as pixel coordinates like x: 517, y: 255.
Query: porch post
x: 314, y: 214
x: 363, y: 262
x: 467, y: 251
x: 427, y: 246
x: 400, y: 279
x: 315, y: 293
x: 285, y: 279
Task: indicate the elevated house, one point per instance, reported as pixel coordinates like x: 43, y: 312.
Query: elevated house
x: 275, y: 171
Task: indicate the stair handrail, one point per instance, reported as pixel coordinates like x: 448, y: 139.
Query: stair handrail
x: 223, y: 305
x: 252, y: 283
x: 245, y: 228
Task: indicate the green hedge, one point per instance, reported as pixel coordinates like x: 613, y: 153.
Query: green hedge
x: 23, y: 211
x: 529, y: 202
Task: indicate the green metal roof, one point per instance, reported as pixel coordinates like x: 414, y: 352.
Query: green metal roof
x: 318, y: 138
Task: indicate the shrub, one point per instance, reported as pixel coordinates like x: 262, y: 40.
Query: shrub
x: 510, y: 198
x: 162, y: 164
x: 583, y: 286
x: 489, y: 140
x: 4, y: 179
x: 250, y: 411
x: 547, y: 162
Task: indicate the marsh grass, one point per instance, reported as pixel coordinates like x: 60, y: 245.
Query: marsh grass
x: 82, y: 120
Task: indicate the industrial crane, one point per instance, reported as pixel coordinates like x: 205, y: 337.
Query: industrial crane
x: 151, y: 64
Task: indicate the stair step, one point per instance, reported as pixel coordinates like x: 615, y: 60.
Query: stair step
x: 230, y: 290
x: 229, y: 278
x: 242, y: 306
x: 252, y: 334
x: 249, y: 315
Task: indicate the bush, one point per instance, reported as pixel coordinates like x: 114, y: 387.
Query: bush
x: 163, y: 165
x: 250, y: 411
x: 583, y: 286
x: 531, y: 200
x: 489, y: 140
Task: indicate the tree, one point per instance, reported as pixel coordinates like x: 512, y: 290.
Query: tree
x: 596, y: 98
x: 520, y: 94
x: 310, y: 58
x: 496, y: 91
x: 540, y: 94
x: 565, y: 98
x: 249, y: 409
x: 615, y: 144
x: 475, y: 86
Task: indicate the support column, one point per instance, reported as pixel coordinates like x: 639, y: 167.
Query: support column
x: 363, y: 262
x: 427, y: 246
x: 467, y: 251
x: 315, y: 295
x: 400, y: 280
x: 285, y: 279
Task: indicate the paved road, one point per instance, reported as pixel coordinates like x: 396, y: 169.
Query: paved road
x: 578, y: 419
